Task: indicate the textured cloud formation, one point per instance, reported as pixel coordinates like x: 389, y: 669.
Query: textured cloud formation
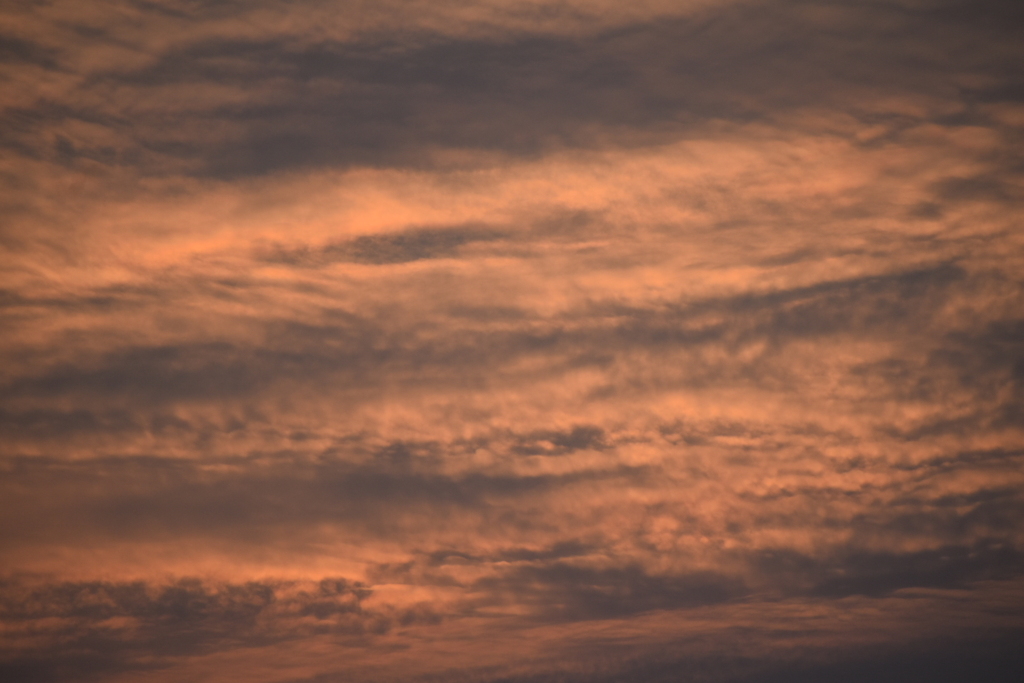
x: 511, y: 341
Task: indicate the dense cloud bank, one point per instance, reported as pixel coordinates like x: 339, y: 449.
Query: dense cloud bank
x: 511, y: 341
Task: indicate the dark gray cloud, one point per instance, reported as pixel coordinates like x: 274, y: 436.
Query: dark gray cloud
x: 13, y: 49
x: 390, y: 99
x: 565, y: 591
x: 92, y: 630
x: 410, y: 245
x: 993, y: 657
x: 853, y: 571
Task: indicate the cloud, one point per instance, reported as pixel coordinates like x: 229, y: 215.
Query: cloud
x: 510, y: 341
x: 105, y: 628
x: 403, y: 247
x: 154, y: 629
x: 277, y: 100
x: 572, y: 592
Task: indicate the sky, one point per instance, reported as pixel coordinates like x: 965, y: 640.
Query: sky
x: 511, y: 341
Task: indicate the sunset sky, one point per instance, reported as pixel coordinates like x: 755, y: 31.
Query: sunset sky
x: 511, y: 341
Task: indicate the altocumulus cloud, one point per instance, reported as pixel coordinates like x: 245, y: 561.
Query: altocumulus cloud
x: 512, y: 341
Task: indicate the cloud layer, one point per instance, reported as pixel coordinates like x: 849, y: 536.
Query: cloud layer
x: 511, y: 341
